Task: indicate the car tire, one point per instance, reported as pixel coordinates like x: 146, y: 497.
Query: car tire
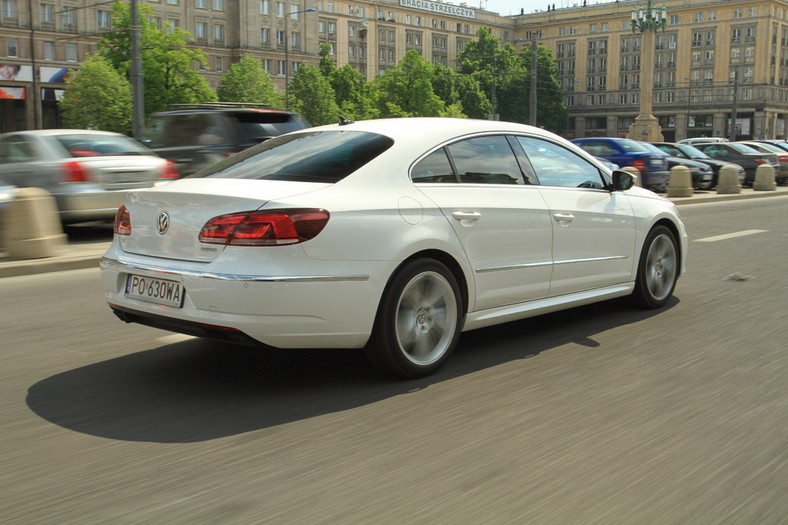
x: 658, y: 269
x: 418, y: 322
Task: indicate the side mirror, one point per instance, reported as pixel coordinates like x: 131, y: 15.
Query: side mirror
x: 622, y: 180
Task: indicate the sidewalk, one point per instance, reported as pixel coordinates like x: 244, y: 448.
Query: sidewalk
x: 78, y: 255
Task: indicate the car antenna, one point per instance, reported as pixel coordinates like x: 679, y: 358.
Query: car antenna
x: 343, y: 121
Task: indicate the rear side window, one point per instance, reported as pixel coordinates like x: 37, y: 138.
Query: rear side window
x: 320, y: 156
x: 179, y: 130
x: 101, y: 145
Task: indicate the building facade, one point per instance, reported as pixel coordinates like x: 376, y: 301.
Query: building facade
x: 707, y: 60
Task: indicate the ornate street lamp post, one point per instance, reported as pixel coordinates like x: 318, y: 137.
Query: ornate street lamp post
x: 648, y: 21
x: 287, y: 52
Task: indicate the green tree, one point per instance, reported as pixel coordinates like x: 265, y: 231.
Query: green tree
x: 551, y: 112
x: 498, y: 71
x: 247, y: 81
x: 97, y: 97
x: 464, y: 91
x: 169, y: 76
x: 406, y: 91
x: 312, y: 96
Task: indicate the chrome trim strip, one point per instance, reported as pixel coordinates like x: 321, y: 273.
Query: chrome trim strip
x: 112, y: 264
x: 551, y: 263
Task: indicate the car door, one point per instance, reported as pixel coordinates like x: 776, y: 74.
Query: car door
x: 500, y: 219
x: 593, y: 229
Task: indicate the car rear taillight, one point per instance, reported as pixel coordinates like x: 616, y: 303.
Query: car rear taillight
x: 74, y: 171
x: 170, y: 170
x: 760, y: 161
x: 639, y: 164
x: 122, y: 221
x: 783, y: 158
x: 264, y: 228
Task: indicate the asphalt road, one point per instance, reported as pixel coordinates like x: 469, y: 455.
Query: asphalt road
x: 603, y: 414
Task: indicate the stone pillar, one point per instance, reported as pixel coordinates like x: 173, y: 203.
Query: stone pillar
x: 680, y: 184
x: 646, y: 127
x: 764, y: 179
x: 728, y: 181
x: 31, y: 225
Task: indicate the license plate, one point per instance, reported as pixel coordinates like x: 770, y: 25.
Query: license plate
x: 159, y: 291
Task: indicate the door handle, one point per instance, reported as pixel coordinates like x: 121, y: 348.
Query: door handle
x: 466, y: 215
x: 563, y: 217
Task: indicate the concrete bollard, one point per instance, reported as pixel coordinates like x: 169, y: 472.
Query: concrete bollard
x: 31, y: 225
x: 636, y: 172
x: 728, y: 180
x: 764, y: 179
x: 680, y: 184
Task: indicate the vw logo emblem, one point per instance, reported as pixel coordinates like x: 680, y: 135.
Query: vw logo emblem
x: 163, y: 223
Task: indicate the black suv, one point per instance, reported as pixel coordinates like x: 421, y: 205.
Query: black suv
x: 197, y: 136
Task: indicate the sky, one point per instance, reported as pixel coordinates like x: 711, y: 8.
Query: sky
x: 513, y: 7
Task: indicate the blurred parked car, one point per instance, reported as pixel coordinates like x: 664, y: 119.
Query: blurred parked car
x: 781, y: 173
x: 653, y: 165
x: 741, y: 154
x: 200, y: 135
x: 701, y: 174
x: 88, y: 172
x: 688, y: 151
x: 702, y: 140
x: 391, y: 236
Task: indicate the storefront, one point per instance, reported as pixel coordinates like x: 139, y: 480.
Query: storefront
x: 19, y: 108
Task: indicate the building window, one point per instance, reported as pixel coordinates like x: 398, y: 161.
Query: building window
x: 351, y: 10
x: 266, y: 64
x: 172, y: 2
x: 752, y: 12
x: 280, y: 38
x: 11, y: 48
x: 265, y: 6
x: 69, y: 16
x: 294, y: 39
x: 174, y: 24
x: 103, y: 19
x: 71, y: 52
x: 280, y: 67
x: 674, y: 20
x: 156, y: 21
x: 330, y: 7
x: 592, y: 28
x: 712, y: 16
x: 698, y: 17
x: 200, y: 30
x: 9, y: 8
x: 332, y: 28
x: 265, y: 35
x: 361, y: 12
x: 47, y: 13
x: 199, y: 4
x: 49, y: 51
x: 218, y: 5
x: 280, y: 9
x: 219, y: 64
x: 218, y: 32
x: 738, y: 13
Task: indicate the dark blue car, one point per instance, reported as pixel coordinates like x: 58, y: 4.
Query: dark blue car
x: 653, y: 166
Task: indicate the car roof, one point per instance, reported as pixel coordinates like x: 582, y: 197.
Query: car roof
x: 191, y: 111
x: 433, y: 130
x: 57, y: 132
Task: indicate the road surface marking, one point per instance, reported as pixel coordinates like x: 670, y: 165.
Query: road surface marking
x: 731, y: 235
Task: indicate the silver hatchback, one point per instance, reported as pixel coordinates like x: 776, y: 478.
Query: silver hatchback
x: 88, y: 172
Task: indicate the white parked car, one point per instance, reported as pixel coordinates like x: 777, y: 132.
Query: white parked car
x: 393, y: 236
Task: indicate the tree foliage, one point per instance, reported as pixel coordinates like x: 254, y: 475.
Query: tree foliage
x: 406, y: 91
x: 167, y: 63
x: 313, y: 96
x: 247, y: 81
x: 97, y: 97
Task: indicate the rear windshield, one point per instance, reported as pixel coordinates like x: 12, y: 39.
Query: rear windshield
x: 90, y: 145
x: 317, y: 156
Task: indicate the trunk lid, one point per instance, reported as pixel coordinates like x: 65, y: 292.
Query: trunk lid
x: 188, y: 205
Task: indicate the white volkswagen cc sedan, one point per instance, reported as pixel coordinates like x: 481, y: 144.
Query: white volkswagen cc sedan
x: 391, y: 236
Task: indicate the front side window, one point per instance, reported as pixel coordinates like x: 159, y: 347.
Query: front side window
x: 555, y: 165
